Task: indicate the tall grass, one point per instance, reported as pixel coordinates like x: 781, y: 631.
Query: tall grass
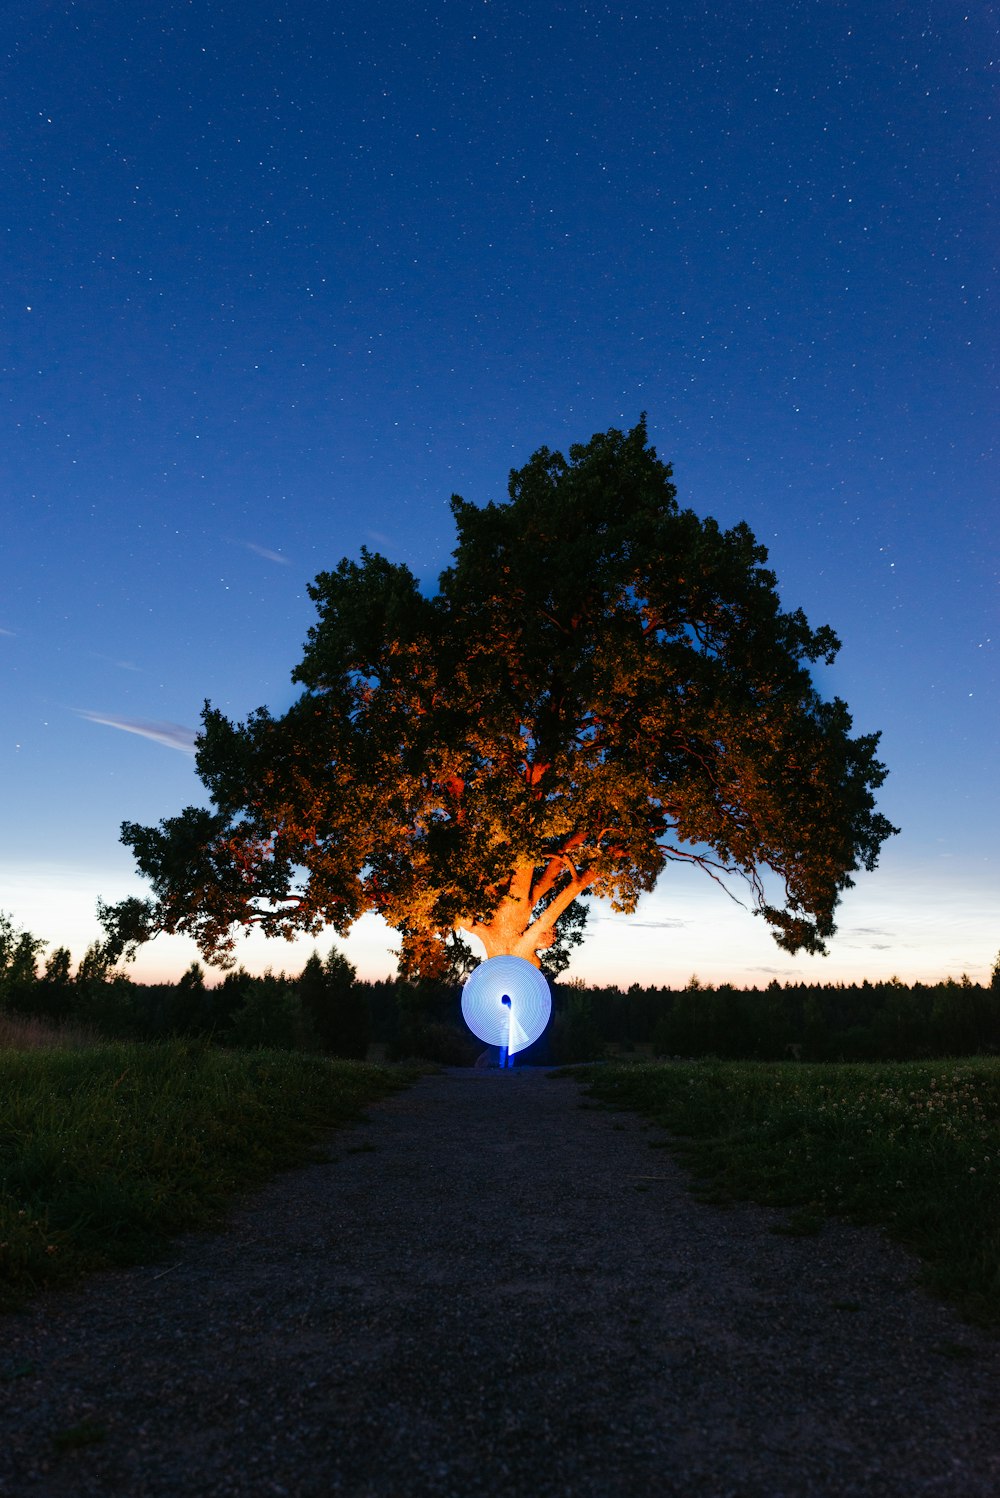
x: 22, y: 1032
x: 106, y: 1152
x: 913, y: 1147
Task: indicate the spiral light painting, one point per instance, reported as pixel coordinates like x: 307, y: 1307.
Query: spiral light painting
x: 506, y: 1003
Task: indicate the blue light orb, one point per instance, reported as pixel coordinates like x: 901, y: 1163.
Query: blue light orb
x: 506, y: 1002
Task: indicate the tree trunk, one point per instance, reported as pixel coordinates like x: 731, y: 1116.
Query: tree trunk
x: 511, y: 932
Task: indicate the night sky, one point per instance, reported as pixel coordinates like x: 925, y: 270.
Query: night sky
x: 279, y: 279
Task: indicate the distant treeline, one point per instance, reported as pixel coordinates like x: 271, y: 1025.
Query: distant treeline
x: 323, y: 1008
x: 327, y: 1008
x: 889, y: 1020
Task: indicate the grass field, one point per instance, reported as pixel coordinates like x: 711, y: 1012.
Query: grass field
x: 106, y: 1151
x: 913, y: 1147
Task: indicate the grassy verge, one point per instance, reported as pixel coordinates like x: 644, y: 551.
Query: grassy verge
x: 913, y: 1147
x: 28, y: 1033
x: 106, y: 1152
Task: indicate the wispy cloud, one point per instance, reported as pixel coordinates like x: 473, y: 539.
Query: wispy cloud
x: 664, y: 925
x: 173, y: 735
x: 380, y: 537
x: 859, y: 938
x: 266, y: 553
x: 9, y: 632
x: 114, y: 661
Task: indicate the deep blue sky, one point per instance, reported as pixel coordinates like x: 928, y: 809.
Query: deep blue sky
x: 280, y: 279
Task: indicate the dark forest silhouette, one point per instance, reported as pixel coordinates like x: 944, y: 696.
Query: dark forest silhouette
x: 326, y: 1008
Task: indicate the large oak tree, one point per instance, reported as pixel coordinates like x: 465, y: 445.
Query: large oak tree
x: 604, y: 685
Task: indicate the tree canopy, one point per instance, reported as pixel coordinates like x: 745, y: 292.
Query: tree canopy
x: 603, y: 685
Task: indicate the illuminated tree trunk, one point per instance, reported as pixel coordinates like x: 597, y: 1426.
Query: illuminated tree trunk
x: 512, y: 931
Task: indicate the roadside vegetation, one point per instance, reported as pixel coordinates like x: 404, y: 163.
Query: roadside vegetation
x: 131, y: 1111
x: 107, y: 1150
x: 912, y: 1147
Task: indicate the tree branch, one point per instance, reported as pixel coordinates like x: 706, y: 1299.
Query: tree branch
x: 562, y: 901
x: 554, y: 867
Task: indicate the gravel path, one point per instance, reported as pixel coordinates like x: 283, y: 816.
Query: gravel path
x: 493, y: 1290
